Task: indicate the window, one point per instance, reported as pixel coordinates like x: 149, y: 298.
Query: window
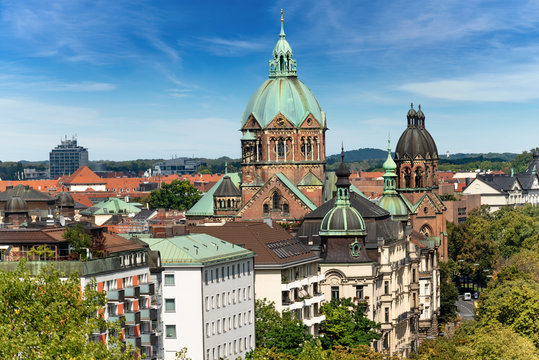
x: 386, y: 287
x: 170, y: 305
x: 275, y: 201
x: 386, y: 314
x: 334, y: 292
x: 285, y: 208
x: 207, y: 300
x: 169, y: 279
x: 359, y: 291
x: 265, y: 208
x: 217, y: 274
x: 208, y: 333
x: 170, y: 331
x: 206, y: 277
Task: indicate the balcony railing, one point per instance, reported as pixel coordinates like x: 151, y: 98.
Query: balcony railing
x: 132, y: 292
x: 148, y: 339
x: 132, y: 318
x: 134, y: 341
x: 147, y: 289
x: 114, y: 318
x: 116, y: 295
x: 148, y: 314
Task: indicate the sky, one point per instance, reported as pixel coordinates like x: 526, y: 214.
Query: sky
x: 157, y: 79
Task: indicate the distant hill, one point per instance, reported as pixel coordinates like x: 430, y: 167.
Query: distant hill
x: 475, y: 156
x: 359, y: 155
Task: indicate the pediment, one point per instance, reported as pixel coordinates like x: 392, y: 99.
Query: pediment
x: 280, y: 122
x: 251, y: 123
x: 310, y: 122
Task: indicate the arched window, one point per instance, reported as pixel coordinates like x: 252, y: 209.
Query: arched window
x: 426, y: 230
x: 285, y: 208
x: 275, y: 199
x: 228, y: 203
x: 266, y: 208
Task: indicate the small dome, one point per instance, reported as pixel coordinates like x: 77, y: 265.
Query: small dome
x: 64, y: 199
x: 416, y: 140
x: 16, y: 205
x: 343, y: 221
x: 420, y: 114
x: 287, y: 96
x: 389, y: 165
x: 394, y: 205
x: 411, y: 113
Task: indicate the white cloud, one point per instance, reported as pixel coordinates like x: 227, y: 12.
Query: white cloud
x: 509, y: 86
x: 230, y: 47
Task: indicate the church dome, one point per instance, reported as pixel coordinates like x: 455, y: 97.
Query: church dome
x: 16, y: 205
x: 283, y: 93
x: 394, y: 205
x: 343, y: 221
x: 416, y: 140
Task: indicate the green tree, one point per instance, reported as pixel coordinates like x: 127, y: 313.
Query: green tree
x: 45, y: 317
x: 282, y: 332
x: 79, y: 240
x: 178, y: 195
x: 346, y: 324
x: 522, y: 161
x: 448, y: 291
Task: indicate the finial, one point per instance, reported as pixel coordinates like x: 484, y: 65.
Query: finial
x: 412, y: 105
x: 226, y: 167
x: 389, y: 142
x: 282, y: 34
x: 419, y: 106
x: 342, y: 152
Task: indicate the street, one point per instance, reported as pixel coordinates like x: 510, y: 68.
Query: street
x: 465, y: 308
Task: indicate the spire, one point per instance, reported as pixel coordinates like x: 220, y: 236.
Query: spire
x: 282, y: 64
x: 282, y: 34
x: 390, y: 167
x: 343, y: 182
x: 512, y: 172
x: 226, y: 167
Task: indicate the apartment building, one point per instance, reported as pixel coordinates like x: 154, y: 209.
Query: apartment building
x: 208, y: 296
x: 286, y: 271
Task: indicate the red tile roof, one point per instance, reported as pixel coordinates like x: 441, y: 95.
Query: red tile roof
x: 82, y: 175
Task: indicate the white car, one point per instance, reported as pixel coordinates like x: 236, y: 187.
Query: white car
x: 468, y: 296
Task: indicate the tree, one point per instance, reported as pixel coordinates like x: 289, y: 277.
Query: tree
x: 45, y: 317
x: 79, y: 240
x: 346, y: 324
x: 448, y: 291
x: 472, y: 341
x: 284, y: 333
x: 178, y: 195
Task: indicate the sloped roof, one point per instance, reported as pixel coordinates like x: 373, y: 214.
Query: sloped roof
x: 227, y: 188
x: 272, y: 245
x: 526, y: 180
x: 30, y: 236
x: 83, y: 175
x: 111, y: 206
x: 204, y: 206
x: 296, y: 191
x: 310, y: 179
x: 498, y: 182
x: 366, y: 208
x: 194, y: 249
x: 26, y: 193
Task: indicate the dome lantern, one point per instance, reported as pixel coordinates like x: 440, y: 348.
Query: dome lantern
x: 282, y: 64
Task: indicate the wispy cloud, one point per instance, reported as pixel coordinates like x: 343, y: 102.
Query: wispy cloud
x: 512, y: 86
x: 41, y: 83
x: 230, y: 47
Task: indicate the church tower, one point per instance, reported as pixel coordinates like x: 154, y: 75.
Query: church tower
x: 283, y: 131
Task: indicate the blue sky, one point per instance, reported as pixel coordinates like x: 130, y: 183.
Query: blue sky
x: 152, y: 79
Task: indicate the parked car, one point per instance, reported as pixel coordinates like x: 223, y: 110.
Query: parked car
x: 468, y: 296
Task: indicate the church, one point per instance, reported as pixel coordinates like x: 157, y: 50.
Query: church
x: 283, y: 152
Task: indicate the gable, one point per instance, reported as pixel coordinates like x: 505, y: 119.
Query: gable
x: 427, y: 206
x: 251, y: 124
x: 279, y: 184
x: 310, y: 122
x: 280, y: 122
x: 479, y: 187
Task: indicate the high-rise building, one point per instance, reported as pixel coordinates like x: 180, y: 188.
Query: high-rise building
x: 67, y: 157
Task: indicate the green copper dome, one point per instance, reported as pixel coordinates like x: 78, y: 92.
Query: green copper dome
x: 343, y: 219
x: 283, y: 93
x: 391, y: 201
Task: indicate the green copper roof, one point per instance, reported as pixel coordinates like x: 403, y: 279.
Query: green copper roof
x: 389, y: 165
x: 330, y: 187
x: 310, y: 179
x: 391, y: 201
x: 112, y: 206
x: 194, y: 249
x: 394, y: 205
x: 248, y: 136
x: 204, y: 206
x: 286, y: 96
x: 296, y: 191
x: 282, y: 63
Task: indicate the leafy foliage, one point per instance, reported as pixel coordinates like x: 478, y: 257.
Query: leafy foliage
x: 346, y: 324
x: 178, y: 195
x: 77, y: 238
x: 284, y: 333
x: 448, y: 292
x: 313, y: 350
x: 44, y: 317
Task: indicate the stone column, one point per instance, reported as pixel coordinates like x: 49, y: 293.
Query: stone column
x: 293, y: 149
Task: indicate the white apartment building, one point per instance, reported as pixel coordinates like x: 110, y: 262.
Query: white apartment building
x: 286, y: 271
x: 208, y: 296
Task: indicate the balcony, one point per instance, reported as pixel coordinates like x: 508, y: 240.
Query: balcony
x: 148, y: 339
x: 319, y: 297
x: 132, y: 317
x: 147, y: 289
x: 385, y: 298
x: 294, y: 305
x: 114, y: 318
x: 148, y: 314
x: 314, y: 320
x: 133, y: 341
x: 301, y: 282
x: 116, y: 295
x: 132, y: 292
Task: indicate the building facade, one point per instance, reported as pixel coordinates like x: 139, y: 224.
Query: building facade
x: 178, y: 166
x: 208, y: 296
x: 67, y: 157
